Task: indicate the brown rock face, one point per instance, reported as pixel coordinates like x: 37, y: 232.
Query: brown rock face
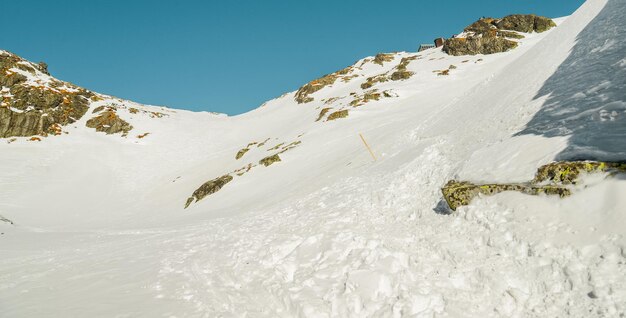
x: 525, y: 23
x: 32, y: 103
x: 208, y: 188
x: 489, y: 36
x: 109, y: 123
x: 478, y: 45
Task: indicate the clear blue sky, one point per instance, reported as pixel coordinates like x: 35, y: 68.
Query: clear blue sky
x: 228, y: 56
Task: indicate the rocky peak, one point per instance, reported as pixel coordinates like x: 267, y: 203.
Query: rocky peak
x: 33, y: 102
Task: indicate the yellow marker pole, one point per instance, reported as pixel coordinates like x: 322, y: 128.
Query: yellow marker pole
x: 367, y: 146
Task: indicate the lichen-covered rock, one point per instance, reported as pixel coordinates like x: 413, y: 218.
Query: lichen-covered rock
x: 109, y: 123
x: 477, y: 45
x: 526, y: 23
x: 267, y: 161
x: 551, y: 179
x: 567, y: 172
x: 459, y: 193
x: 208, y: 188
x: 32, y: 102
x: 338, y: 114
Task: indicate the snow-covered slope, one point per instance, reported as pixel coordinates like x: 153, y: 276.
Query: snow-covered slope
x: 100, y: 227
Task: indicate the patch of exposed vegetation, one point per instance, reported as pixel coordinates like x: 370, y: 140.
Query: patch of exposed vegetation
x: 550, y: 179
x: 208, y: 188
x: 337, y: 115
x: 109, y: 123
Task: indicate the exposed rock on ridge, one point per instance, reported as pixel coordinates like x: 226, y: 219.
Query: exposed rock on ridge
x: 32, y: 102
x: 488, y: 35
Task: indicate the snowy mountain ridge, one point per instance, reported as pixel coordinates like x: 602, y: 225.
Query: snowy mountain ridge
x: 332, y: 206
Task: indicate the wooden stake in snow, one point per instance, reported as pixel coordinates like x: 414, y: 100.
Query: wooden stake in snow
x: 368, y: 147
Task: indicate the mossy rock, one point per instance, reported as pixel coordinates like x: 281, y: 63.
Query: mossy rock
x: 109, y: 123
x: 551, y: 179
x: 208, y: 188
x: 267, y: 161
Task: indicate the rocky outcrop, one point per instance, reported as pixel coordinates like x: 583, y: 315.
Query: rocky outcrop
x: 478, y: 45
x: 267, y: 161
x: 551, y: 179
x: 338, y: 114
x: 32, y: 102
x: 567, y: 172
x: 381, y: 58
x: 110, y: 123
x: 489, y: 36
x: 371, y: 81
x: 302, y: 95
x: 526, y: 23
x: 401, y: 73
x: 459, y: 193
x: 208, y: 188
